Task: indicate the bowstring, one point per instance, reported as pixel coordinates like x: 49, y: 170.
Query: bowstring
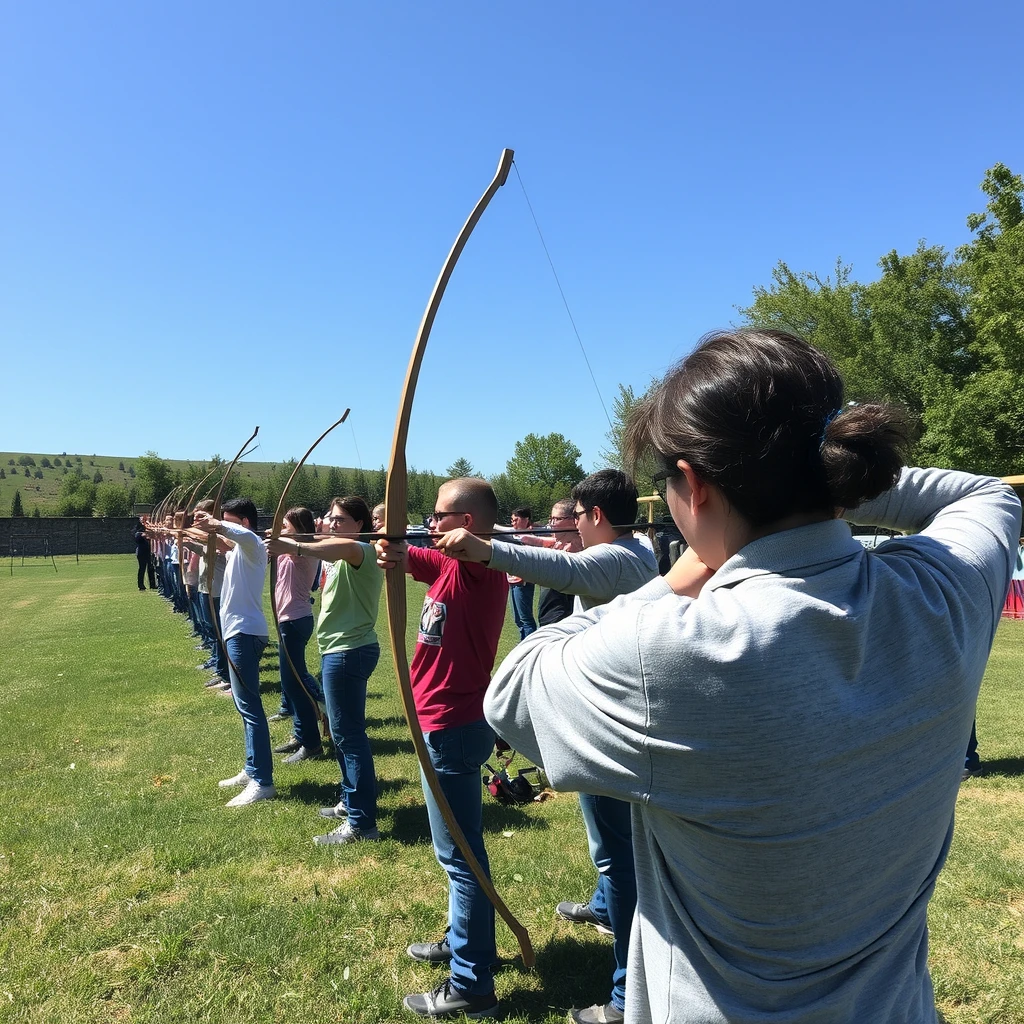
x: 561, y: 291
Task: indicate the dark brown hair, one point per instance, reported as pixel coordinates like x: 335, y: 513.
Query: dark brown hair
x: 357, y: 508
x: 301, y: 519
x: 760, y: 414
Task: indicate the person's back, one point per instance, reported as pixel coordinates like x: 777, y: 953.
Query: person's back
x: 812, y: 720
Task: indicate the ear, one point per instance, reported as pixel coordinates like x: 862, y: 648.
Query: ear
x: 697, y: 488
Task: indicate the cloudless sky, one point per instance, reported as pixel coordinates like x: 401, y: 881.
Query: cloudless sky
x: 217, y: 215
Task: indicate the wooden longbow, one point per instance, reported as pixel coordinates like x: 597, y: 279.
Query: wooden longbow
x: 395, y: 516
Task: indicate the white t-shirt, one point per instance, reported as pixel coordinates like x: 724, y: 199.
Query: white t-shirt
x: 241, y: 599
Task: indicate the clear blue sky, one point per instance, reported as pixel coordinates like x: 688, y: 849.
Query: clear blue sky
x: 223, y: 214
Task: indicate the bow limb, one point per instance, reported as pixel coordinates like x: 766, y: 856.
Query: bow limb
x: 275, y: 532
x: 211, y: 548
x: 395, y: 515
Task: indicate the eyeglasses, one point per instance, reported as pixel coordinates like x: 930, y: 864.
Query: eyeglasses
x: 559, y: 519
x: 437, y: 516
x: 577, y: 513
x: 660, y: 482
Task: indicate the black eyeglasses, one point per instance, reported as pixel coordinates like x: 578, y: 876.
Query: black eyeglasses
x: 435, y: 515
x: 577, y: 513
x: 660, y: 482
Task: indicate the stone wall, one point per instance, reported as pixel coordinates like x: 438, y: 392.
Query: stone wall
x: 74, y: 536
x: 67, y: 536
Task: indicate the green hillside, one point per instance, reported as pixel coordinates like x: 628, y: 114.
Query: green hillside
x: 46, y: 471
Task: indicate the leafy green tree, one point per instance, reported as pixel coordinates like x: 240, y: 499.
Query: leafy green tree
x: 38, y: 474
x: 112, y: 500
x: 120, y: 466
x: 97, y: 477
x: 57, y: 462
x: 131, y: 471
x: 541, y: 471
x: 11, y: 462
x: 461, y: 467
x: 155, y: 478
x: 17, y: 510
x: 77, y: 495
x: 624, y: 408
x: 26, y: 460
x: 45, y: 462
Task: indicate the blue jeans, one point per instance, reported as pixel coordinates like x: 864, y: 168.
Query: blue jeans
x: 457, y: 755
x: 522, y: 608
x: 300, y: 692
x: 345, y: 675
x: 610, y: 836
x: 220, y: 666
x: 244, y: 651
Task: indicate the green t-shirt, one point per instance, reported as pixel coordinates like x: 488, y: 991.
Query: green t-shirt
x: 348, y: 607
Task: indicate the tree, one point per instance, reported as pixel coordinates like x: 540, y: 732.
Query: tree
x: 26, y: 460
x: 57, y: 463
x: 3, y: 474
x: 155, y: 478
x: 17, y: 510
x: 45, y: 462
x: 625, y: 406
x: 120, y: 466
x: 97, y: 477
x: 35, y: 512
x: 38, y: 474
x: 112, y: 500
x: 131, y: 471
x: 461, y: 467
x: 543, y: 470
x: 28, y: 472
x: 77, y: 495
x: 941, y: 335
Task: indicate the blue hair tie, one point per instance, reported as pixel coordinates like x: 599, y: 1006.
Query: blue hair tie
x: 828, y: 419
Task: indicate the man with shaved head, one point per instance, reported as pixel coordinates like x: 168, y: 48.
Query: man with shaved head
x: 463, y: 613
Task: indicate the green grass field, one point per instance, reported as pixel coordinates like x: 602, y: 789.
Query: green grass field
x: 129, y: 893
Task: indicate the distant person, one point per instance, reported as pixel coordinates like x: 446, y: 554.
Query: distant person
x: 244, y: 627
x: 521, y: 591
x: 143, y: 553
x: 377, y: 517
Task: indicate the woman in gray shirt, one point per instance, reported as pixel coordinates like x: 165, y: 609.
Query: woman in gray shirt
x: 786, y: 711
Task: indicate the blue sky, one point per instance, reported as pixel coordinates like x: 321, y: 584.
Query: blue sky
x: 218, y: 215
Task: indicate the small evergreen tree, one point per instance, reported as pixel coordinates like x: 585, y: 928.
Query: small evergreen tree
x: 3, y: 474
x: 35, y: 512
x: 97, y: 477
x: 16, y: 507
x: 45, y: 462
x: 120, y: 466
x: 28, y: 472
x: 57, y: 463
x: 38, y: 474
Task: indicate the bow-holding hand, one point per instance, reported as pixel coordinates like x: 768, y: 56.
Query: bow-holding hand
x: 391, y: 553
x: 205, y: 523
x: 464, y: 546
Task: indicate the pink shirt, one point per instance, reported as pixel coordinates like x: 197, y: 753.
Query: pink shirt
x: 294, y: 582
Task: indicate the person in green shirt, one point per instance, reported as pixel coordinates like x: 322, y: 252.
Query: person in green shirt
x: 349, y: 653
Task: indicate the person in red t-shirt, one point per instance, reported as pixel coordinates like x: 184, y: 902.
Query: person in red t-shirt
x: 461, y: 621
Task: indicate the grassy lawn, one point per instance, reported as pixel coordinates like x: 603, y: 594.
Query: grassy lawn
x: 129, y: 893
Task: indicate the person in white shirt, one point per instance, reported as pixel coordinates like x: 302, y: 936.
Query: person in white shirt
x: 244, y: 627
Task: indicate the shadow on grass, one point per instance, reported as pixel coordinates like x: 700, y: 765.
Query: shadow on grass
x: 506, y: 817
x: 410, y: 825
x: 1008, y: 766
x: 574, y: 971
x: 388, y: 747
x: 385, y: 723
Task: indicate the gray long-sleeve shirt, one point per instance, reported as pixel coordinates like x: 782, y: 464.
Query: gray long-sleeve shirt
x: 594, y: 575
x: 792, y: 741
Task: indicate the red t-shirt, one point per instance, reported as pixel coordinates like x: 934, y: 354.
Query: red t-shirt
x: 460, y: 624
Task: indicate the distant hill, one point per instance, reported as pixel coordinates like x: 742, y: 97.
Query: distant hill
x: 46, y: 470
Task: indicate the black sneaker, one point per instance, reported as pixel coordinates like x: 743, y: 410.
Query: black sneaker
x: 580, y: 913
x: 431, y: 952
x: 972, y: 773
x: 447, y: 1001
x: 288, y: 747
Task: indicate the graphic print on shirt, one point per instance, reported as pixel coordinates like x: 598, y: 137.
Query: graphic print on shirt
x: 432, y: 620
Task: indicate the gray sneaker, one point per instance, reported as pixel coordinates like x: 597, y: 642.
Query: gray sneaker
x: 580, y: 913
x: 303, y: 754
x: 339, y: 811
x: 345, y: 833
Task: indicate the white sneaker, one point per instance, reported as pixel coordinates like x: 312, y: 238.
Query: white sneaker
x: 253, y: 792
x: 241, y: 779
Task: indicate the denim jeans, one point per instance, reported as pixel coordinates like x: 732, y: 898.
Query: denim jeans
x: 300, y: 693
x: 610, y: 836
x: 457, y: 755
x: 522, y: 608
x: 220, y: 660
x: 345, y: 675
x: 244, y: 651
